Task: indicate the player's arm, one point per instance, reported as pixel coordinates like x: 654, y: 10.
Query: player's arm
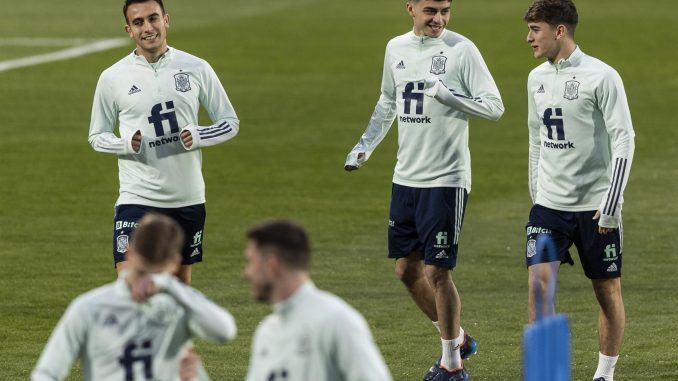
x: 533, y: 127
x: 480, y: 98
x: 207, y: 320
x: 103, y: 121
x: 63, y: 346
x: 354, y: 352
x: 380, y: 122
x: 225, y: 122
x: 615, y: 109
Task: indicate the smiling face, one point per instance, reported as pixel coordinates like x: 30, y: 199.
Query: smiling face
x: 429, y: 16
x: 147, y: 25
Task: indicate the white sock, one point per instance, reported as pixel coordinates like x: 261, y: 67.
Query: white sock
x: 451, y: 359
x: 606, y: 366
x: 461, y: 336
x: 437, y: 325
x: 461, y: 331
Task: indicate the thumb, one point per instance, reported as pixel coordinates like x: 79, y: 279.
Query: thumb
x: 597, y: 216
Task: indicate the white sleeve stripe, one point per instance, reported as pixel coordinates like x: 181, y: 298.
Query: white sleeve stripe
x: 619, y: 185
x: 459, y: 214
x: 615, y: 189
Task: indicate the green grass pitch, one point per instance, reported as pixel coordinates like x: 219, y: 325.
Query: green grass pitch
x: 304, y: 76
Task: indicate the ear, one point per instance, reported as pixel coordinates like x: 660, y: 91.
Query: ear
x: 128, y: 30
x: 561, y: 31
x: 409, y: 8
x: 167, y: 20
x: 273, y: 264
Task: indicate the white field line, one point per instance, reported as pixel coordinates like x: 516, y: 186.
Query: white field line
x: 63, y: 54
x: 44, y: 41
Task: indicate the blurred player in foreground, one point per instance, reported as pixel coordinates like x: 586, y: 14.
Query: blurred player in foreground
x: 312, y: 334
x: 581, y: 148
x: 139, y: 327
x: 154, y: 94
x: 433, y: 81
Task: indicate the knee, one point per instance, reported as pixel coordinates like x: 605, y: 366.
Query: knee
x: 438, y: 277
x: 608, y: 289
x: 407, y: 272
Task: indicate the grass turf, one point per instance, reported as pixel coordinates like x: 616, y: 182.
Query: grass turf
x: 304, y: 76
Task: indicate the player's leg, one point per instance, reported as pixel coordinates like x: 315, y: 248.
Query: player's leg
x: 439, y: 217
x: 447, y: 300
x: 601, y: 256
x: 611, y: 317
x: 541, y: 289
x: 405, y: 248
x: 125, y: 221
x: 185, y: 273
x: 548, y: 238
x: 611, y: 321
x: 410, y: 271
x: 192, y: 221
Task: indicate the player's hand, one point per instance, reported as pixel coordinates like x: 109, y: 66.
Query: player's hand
x: 187, y: 138
x: 348, y: 167
x: 188, y: 365
x: 142, y: 288
x: 431, y: 86
x: 136, y: 141
x: 601, y: 230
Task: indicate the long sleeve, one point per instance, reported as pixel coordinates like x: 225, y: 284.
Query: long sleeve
x: 381, y: 120
x: 226, y: 124
x: 103, y: 122
x: 480, y: 98
x: 207, y: 320
x: 63, y: 346
x: 356, y: 355
x: 615, y: 109
x: 533, y: 126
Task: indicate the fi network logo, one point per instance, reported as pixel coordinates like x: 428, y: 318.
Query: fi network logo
x: 610, y: 252
x: 197, y: 239
x: 441, y: 237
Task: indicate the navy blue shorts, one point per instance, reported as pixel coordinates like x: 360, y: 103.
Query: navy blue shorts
x: 427, y: 220
x: 190, y: 218
x: 550, y: 234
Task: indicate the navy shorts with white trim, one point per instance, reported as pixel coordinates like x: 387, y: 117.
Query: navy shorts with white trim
x: 427, y: 220
x: 190, y: 218
x: 551, y: 233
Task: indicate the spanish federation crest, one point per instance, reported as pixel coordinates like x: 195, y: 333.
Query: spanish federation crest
x: 438, y: 64
x: 182, y: 82
x: 571, y: 90
x: 122, y: 243
x: 531, y: 248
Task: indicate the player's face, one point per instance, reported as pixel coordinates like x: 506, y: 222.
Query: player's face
x: 429, y: 17
x: 544, y: 40
x: 147, y: 26
x: 258, y: 272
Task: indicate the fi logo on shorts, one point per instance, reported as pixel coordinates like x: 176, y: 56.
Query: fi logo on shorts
x: 441, y: 241
x: 197, y: 239
x: 610, y: 253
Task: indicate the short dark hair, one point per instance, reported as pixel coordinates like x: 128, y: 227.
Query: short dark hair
x: 285, y: 239
x: 554, y: 13
x: 130, y: 2
x: 157, y: 239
